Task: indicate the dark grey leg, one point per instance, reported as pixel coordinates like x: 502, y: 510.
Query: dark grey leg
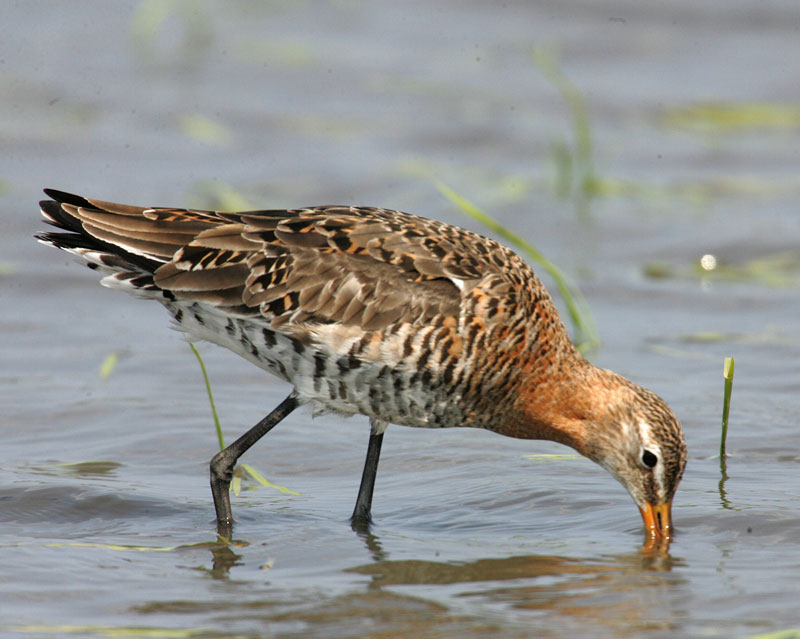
x: 362, y: 513
x: 223, y: 462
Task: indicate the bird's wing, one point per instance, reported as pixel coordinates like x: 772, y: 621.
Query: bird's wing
x: 354, y: 266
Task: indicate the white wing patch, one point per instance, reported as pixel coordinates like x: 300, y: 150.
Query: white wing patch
x: 459, y: 283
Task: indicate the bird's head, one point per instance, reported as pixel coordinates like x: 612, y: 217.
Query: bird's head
x: 628, y: 430
x: 639, y: 440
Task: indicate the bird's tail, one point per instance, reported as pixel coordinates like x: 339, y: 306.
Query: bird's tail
x: 99, y: 233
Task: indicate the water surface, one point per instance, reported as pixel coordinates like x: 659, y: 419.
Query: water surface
x: 107, y: 520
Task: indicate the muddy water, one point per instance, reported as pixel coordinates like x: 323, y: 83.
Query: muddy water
x: 105, y: 509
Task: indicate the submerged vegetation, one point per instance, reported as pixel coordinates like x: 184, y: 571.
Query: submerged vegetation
x: 575, y: 174
x: 108, y: 365
x: 775, y: 270
x: 576, y: 177
x: 721, y: 117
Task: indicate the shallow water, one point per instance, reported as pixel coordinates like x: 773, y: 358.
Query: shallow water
x: 105, y: 510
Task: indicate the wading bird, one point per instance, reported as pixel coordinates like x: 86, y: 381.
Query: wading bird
x: 400, y: 318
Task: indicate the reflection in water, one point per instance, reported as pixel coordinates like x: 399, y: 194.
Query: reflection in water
x: 625, y: 593
x: 224, y: 558
x: 370, y: 540
x: 656, y: 549
x: 89, y: 469
x: 723, y: 495
x: 418, y: 572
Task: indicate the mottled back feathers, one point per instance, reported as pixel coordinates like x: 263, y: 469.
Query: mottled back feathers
x: 359, y: 266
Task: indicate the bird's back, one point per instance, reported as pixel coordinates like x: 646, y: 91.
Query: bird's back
x: 363, y: 310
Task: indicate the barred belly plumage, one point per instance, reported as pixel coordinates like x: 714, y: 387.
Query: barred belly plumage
x: 348, y: 376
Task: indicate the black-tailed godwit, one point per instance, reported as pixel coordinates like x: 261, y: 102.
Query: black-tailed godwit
x: 400, y: 318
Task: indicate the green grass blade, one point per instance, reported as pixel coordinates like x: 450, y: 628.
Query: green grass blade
x: 210, y: 396
x: 266, y: 482
x: 727, y: 373
x: 586, y: 337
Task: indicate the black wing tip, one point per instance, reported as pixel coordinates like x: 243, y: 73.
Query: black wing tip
x: 62, y: 197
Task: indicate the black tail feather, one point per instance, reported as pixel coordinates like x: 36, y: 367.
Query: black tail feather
x: 76, y: 236
x: 56, y: 216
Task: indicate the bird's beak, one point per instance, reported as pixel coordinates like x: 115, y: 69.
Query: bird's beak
x: 657, y: 520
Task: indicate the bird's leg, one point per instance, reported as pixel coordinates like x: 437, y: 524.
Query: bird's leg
x: 223, y: 462
x: 361, y: 514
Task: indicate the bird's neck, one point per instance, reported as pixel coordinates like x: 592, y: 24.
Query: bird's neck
x: 567, y: 404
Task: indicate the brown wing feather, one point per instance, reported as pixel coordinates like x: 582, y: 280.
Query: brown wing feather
x: 355, y: 266
x: 364, y: 267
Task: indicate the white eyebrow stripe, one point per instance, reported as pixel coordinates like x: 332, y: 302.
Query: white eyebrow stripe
x: 653, y: 447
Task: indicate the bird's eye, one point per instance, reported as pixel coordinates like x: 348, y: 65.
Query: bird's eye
x: 649, y: 459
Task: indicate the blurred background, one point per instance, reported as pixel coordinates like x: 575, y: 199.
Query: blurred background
x: 650, y: 150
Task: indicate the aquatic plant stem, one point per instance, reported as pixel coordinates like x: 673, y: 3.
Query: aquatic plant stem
x: 210, y: 396
x: 727, y: 373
